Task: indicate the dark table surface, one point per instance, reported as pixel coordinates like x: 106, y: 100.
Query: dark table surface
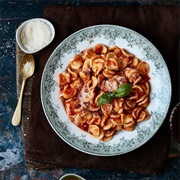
x: 12, y: 165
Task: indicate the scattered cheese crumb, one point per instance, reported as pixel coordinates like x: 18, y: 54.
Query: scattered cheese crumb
x: 35, y: 35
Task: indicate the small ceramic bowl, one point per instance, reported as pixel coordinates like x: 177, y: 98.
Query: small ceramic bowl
x: 71, y: 176
x: 18, y: 34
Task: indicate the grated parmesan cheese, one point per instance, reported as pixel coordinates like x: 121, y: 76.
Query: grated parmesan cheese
x: 35, y: 35
x: 27, y: 67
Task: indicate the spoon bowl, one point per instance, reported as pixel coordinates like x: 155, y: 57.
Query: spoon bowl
x: 27, y: 67
x: 27, y: 61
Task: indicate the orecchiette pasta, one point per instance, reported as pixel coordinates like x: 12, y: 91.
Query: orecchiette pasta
x: 99, y: 70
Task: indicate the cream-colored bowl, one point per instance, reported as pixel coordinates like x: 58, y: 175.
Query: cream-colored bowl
x: 19, y: 31
x: 71, y: 176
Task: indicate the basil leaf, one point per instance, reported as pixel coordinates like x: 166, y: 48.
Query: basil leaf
x: 123, y: 90
x: 108, y: 97
x: 105, y: 98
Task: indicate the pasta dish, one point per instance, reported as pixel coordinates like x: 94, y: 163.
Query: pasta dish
x: 105, y: 89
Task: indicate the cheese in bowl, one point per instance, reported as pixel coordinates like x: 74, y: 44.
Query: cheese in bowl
x: 35, y: 34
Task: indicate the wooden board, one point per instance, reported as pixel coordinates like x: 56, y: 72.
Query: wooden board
x: 26, y: 101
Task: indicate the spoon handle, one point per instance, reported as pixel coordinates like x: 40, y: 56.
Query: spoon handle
x: 17, y: 114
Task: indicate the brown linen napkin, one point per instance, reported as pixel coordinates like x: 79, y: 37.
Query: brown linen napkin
x: 44, y: 148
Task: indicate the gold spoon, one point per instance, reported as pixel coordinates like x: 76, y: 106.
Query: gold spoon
x: 27, y: 66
